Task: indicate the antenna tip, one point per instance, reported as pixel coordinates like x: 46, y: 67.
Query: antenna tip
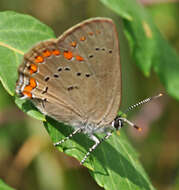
x: 139, y: 129
x: 157, y: 96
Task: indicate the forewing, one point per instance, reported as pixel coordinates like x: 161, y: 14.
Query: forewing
x: 99, y: 92
x: 76, y: 77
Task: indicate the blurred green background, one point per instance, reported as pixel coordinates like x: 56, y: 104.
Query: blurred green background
x: 27, y: 158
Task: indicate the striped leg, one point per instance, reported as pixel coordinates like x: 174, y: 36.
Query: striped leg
x: 97, y: 142
x: 70, y: 136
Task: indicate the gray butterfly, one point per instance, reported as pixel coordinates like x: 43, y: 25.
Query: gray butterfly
x: 76, y: 79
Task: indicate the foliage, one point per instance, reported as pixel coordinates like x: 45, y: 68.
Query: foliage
x: 115, y: 163
x: 3, y: 186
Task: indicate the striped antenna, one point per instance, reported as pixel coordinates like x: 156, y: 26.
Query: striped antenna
x: 142, y: 102
x: 124, y: 120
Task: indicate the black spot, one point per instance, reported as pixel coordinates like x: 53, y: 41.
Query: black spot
x: 97, y: 49
x: 70, y: 88
x: 78, y: 74
x: 45, y: 91
x: 56, y: 75
x: 103, y: 49
x: 67, y: 68
x: 59, y: 69
x: 87, y: 75
x: 46, y: 78
x: 91, y: 56
x: 110, y: 51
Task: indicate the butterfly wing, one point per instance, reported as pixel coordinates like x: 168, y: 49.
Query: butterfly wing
x: 80, y: 79
x: 96, y: 42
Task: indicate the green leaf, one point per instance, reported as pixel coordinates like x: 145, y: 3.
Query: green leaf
x: 114, y: 164
x: 18, y: 33
x: 27, y: 107
x: 149, y: 48
x: 3, y: 186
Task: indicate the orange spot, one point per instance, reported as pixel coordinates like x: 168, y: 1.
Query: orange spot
x: 90, y: 33
x: 98, y: 32
x: 68, y: 54
x: 39, y: 59
x: 33, y: 82
x: 32, y: 68
x: 31, y: 72
x: 73, y: 44
x: 79, y: 58
x: 56, y: 52
x: 47, y: 53
x: 83, y: 38
x: 28, y: 88
x: 25, y: 93
x: 139, y: 129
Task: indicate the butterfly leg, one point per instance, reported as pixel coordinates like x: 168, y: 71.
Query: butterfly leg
x: 70, y: 136
x: 97, y: 142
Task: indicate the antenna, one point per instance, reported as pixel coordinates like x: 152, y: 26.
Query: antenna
x: 136, y: 105
x: 142, y: 102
